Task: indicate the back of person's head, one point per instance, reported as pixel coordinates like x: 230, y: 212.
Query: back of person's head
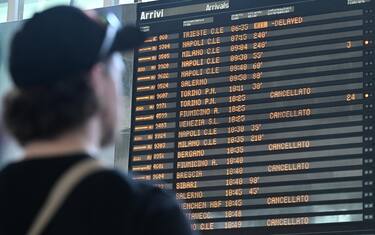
x: 53, y: 59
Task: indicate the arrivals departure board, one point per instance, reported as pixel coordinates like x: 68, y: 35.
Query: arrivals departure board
x: 259, y: 114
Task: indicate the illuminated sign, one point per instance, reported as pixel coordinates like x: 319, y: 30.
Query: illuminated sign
x: 259, y: 114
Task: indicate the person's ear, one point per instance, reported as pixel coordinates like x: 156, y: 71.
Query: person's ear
x: 97, y: 78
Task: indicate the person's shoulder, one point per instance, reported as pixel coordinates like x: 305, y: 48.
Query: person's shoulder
x: 115, y: 181
x: 3, y: 173
x: 141, y: 197
x: 7, y: 169
x: 156, y: 208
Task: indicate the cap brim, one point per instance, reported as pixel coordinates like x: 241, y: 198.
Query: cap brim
x: 128, y: 37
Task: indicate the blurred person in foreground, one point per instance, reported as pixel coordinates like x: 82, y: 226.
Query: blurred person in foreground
x: 1, y: 121
x: 67, y: 72
x: 1, y: 140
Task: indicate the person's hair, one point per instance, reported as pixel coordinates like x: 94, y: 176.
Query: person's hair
x: 48, y: 112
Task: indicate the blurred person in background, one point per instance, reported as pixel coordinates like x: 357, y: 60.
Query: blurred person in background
x: 67, y: 72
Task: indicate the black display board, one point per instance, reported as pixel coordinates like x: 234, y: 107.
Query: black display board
x: 259, y: 114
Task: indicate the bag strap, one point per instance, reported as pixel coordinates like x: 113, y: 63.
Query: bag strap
x: 60, y: 192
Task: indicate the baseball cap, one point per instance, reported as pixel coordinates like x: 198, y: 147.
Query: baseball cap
x: 63, y: 42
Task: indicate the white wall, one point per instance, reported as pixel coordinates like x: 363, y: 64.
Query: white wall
x: 6, y: 31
